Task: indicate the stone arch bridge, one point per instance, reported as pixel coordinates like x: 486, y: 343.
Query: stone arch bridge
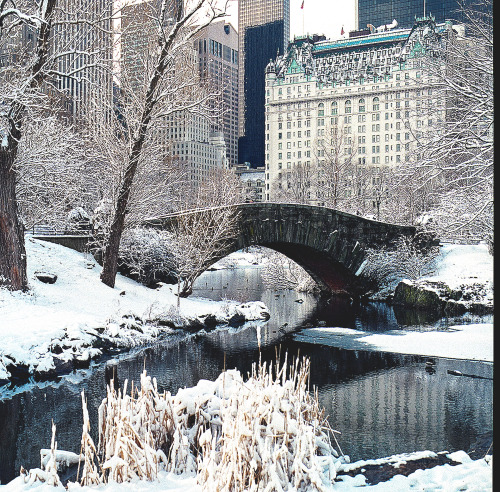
x: 330, y: 245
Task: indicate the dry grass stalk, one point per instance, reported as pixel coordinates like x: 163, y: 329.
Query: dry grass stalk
x: 267, y: 433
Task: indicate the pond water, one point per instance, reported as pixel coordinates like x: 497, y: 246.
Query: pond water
x: 382, y: 403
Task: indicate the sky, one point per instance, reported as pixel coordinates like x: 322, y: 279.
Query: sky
x: 317, y: 17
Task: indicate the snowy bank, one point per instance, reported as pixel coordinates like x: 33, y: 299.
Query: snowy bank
x: 462, y: 281
x: 55, y: 327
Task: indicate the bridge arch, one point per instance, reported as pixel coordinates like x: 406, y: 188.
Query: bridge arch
x: 330, y: 245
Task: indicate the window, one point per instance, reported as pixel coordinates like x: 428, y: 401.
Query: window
x: 321, y: 109
x: 280, y: 135
x: 376, y: 104
x: 348, y: 107
x: 334, y: 107
x: 361, y: 118
x: 375, y: 116
x: 280, y: 126
x: 347, y: 119
x: 361, y: 105
x: 334, y: 121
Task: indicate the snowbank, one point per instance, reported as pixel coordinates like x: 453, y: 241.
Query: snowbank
x: 463, y: 281
x: 55, y: 327
x: 470, y: 342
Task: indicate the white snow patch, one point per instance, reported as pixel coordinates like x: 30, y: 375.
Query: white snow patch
x: 470, y: 342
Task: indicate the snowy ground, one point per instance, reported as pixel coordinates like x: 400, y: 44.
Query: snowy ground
x: 464, y: 264
x: 71, y: 314
x: 470, y: 476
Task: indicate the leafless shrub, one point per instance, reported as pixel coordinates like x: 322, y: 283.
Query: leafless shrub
x: 387, y: 266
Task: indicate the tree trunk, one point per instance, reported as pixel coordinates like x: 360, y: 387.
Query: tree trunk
x: 110, y: 259
x: 12, y: 251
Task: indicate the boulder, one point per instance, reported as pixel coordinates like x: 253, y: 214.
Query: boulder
x: 46, y: 278
x: 418, y: 296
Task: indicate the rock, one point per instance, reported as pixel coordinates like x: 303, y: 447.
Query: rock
x: 454, y: 308
x: 210, y: 321
x: 409, y: 294
x: 46, y: 278
x: 236, y: 320
x: 122, y: 293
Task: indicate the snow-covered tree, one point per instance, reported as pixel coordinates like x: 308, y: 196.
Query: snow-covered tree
x: 451, y: 173
x: 34, y: 61
x: 56, y: 171
x: 164, y: 91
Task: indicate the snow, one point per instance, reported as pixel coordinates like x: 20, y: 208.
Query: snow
x: 471, y: 342
x: 459, y: 264
x: 78, y: 308
x: 473, y: 476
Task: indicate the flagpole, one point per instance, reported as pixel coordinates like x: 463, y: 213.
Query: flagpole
x: 303, y: 15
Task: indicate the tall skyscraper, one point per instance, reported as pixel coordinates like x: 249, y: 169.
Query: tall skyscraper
x: 264, y: 31
x: 381, y: 12
x: 217, y: 47
x: 83, y: 41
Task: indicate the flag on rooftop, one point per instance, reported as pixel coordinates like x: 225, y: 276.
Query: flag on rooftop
x: 302, y: 6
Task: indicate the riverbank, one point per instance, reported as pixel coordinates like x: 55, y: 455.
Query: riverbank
x: 462, y: 282
x: 56, y: 327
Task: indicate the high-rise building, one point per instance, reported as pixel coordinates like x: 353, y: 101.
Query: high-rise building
x: 217, y: 47
x: 353, y: 106
x: 83, y: 41
x: 381, y: 12
x: 264, y: 31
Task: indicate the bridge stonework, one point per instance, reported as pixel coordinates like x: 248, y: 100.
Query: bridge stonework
x: 330, y: 245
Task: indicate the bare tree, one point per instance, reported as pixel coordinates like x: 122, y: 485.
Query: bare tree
x: 337, y: 157
x: 35, y: 60
x: 452, y: 169
x: 56, y: 171
x: 160, y: 95
x: 200, y: 239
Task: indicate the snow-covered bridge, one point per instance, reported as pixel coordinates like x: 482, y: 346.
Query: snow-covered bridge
x: 328, y: 244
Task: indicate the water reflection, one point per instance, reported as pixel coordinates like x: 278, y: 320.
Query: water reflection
x: 382, y: 403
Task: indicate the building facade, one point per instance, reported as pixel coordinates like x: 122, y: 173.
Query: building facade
x: 83, y: 41
x: 264, y: 30
x: 252, y: 182
x: 340, y: 114
x: 381, y: 12
x: 217, y: 47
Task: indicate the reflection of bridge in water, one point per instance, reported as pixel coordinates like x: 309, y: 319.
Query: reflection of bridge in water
x: 330, y: 245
